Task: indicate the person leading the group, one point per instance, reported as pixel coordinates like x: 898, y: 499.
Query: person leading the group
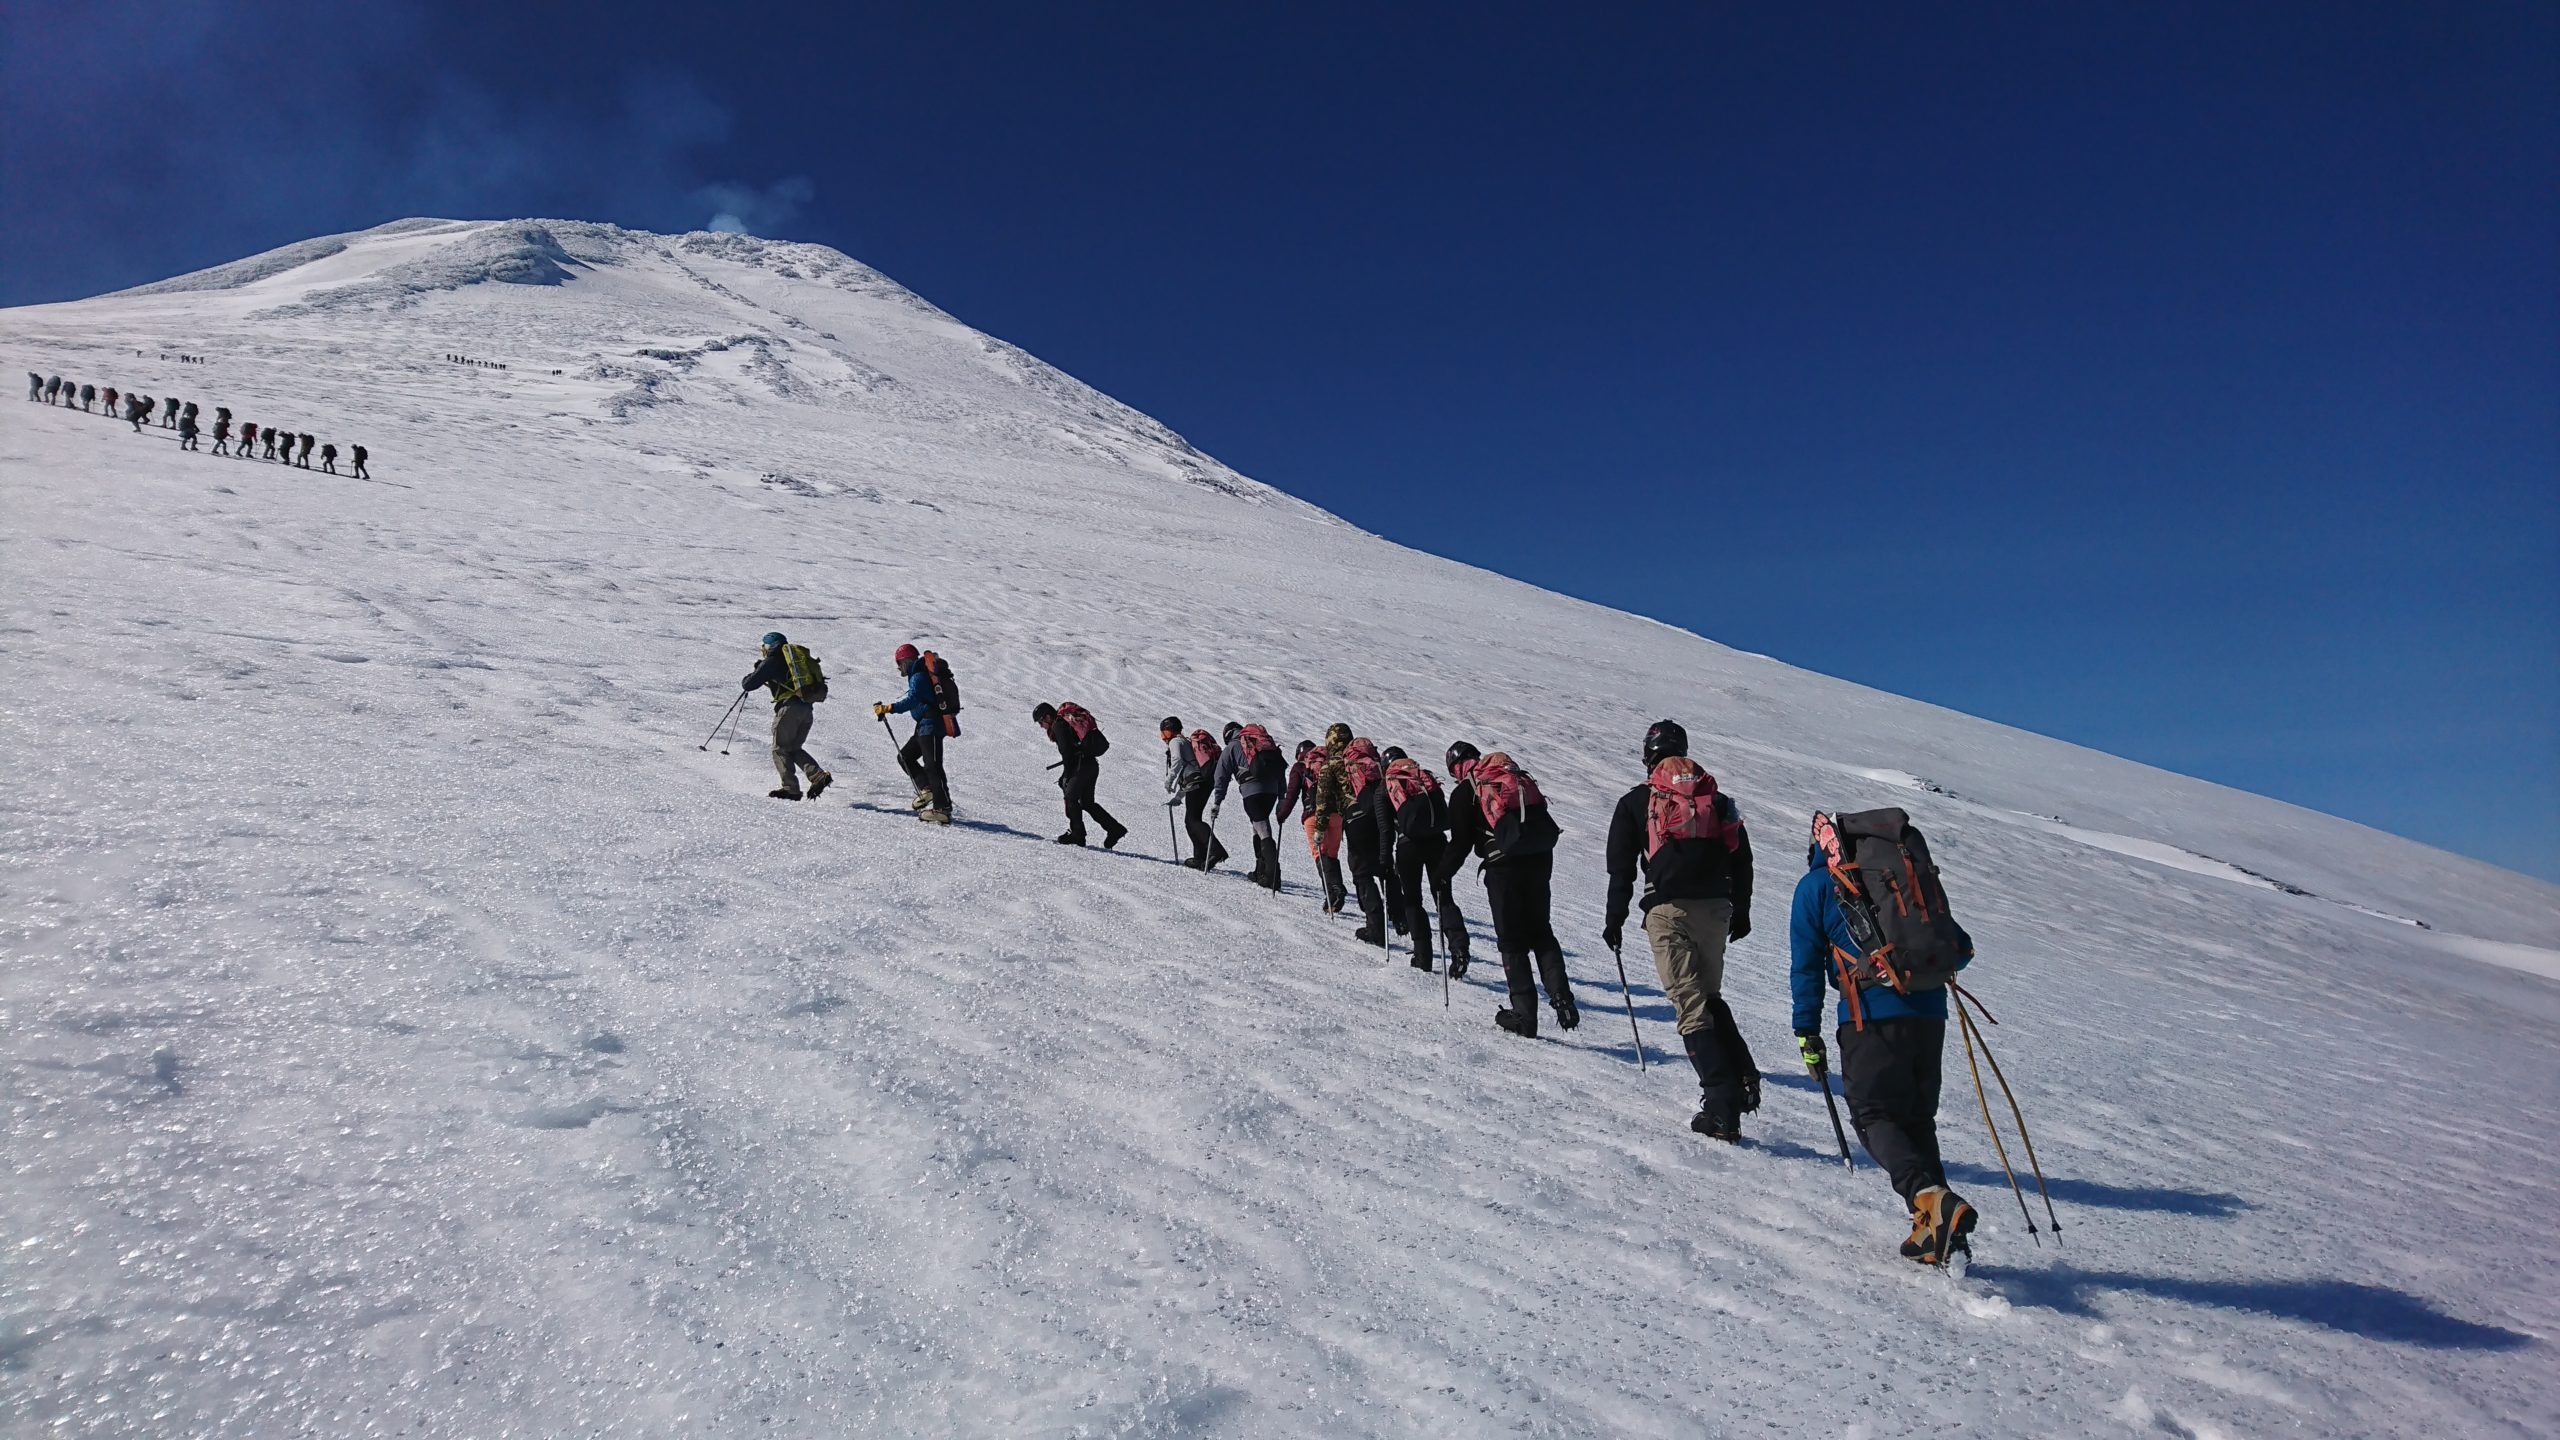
x: 791, y: 675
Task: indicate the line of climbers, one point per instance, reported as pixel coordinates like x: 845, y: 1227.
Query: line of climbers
x: 280, y: 444
x: 1678, y: 855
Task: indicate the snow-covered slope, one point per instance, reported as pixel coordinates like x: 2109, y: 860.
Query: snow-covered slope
x: 408, y: 1030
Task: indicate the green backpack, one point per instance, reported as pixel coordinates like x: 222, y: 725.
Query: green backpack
x: 808, y: 679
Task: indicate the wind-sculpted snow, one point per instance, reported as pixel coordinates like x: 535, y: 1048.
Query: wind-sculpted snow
x: 408, y: 1030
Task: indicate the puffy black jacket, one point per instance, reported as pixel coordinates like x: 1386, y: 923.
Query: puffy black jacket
x: 1685, y: 870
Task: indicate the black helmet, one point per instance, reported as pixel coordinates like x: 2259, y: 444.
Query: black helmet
x: 1232, y: 727
x: 1303, y: 747
x: 1460, y: 753
x: 1663, y: 741
x: 1043, y: 713
x: 1392, y: 754
x: 1169, y: 725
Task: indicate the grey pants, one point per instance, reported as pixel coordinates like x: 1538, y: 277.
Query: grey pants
x: 1688, y: 938
x: 790, y: 732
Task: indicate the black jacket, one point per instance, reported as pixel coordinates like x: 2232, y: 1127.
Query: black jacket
x: 1071, y: 756
x: 1468, y: 835
x: 774, y: 671
x: 1685, y: 870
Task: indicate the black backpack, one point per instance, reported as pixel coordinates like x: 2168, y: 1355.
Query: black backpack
x: 946, y: 690
x: 1893, y: 902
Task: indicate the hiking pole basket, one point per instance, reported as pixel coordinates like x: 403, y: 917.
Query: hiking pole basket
x: 724, y: 720
x: 1629, y: 996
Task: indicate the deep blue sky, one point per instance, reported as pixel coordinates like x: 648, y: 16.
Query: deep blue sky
x: 2193, y: 371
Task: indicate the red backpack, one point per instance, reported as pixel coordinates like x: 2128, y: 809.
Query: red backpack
x: 1204, y: 747
x: 1684, y: 805
x: 1088, y: 730
x: 1505, y: 795
x: 1256, y: 743
x: 1360, y: 766
x: 1406, y: 779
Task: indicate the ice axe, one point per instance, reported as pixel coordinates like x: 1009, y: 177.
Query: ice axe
x: 1822, y: 1077
x: 1630, y: 997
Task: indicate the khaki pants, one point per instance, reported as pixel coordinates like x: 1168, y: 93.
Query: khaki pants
x: 1688, y: 938
x: 790, y: 733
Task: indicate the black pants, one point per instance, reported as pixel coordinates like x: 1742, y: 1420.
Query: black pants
x: 1367, y: 881
x: 1415, y: 859
x: 1077, y: 786
x: 1890, y: 1070
x: 1453, y: 921
x: 1516, y: 891
x: 921, y: 758
x: 1204, y: 841
x: 1266, y: 836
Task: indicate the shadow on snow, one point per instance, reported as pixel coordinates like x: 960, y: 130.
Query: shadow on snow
x: 2371, y: 1312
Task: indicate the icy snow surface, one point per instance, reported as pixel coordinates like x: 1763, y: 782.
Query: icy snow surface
x: 408, y: 1030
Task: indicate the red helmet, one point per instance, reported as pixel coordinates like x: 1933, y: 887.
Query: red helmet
x: 905, y: 654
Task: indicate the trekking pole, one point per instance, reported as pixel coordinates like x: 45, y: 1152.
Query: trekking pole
x: 1965, y: 1003
x: 1212, y: 847
x: 724, y: 719
x: 1997, y: 1147
x: 1630, y: 997
x: 1822, y: 1077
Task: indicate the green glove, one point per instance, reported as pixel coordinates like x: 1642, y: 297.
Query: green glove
x: 1809, y: 1046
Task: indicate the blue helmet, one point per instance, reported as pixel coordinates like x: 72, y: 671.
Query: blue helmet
x: 773, y: 638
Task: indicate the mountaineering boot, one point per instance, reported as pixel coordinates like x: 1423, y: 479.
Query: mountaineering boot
x: 922, y: 802
x: 1557, y: 984
x: 1458, y: 966
x: 782, y: 794
x: 1512, y: 1021
x: 1370, y: 934
x: 934, y: 817
x: 1336, y: 895
x: 1071, y: 838
x: 1719, y: 1115
x: 818, y: 784
x: 1940, y: 1221
x: 1111, y: 837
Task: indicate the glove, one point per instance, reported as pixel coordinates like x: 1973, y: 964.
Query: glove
x: 1213, y: 813
x: 1741, y: 926
x: 1612, y: 936
x: 1809, y: 1047
x: 879, y: 708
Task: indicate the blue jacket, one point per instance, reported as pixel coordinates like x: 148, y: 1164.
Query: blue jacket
x: 919, y: 701
x: 1812, y: 929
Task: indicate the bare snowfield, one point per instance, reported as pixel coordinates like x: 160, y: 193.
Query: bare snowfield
x: 408, y: 1031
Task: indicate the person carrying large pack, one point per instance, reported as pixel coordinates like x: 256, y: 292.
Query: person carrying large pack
x: 796, y: 681
x: 933, y: 701
x: 1081, y: 746
x: 1251, y: 759
x: 1190, y: 760
x: 1498, y: 815
x: 1871, y: 921
x: 1688, y: 840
